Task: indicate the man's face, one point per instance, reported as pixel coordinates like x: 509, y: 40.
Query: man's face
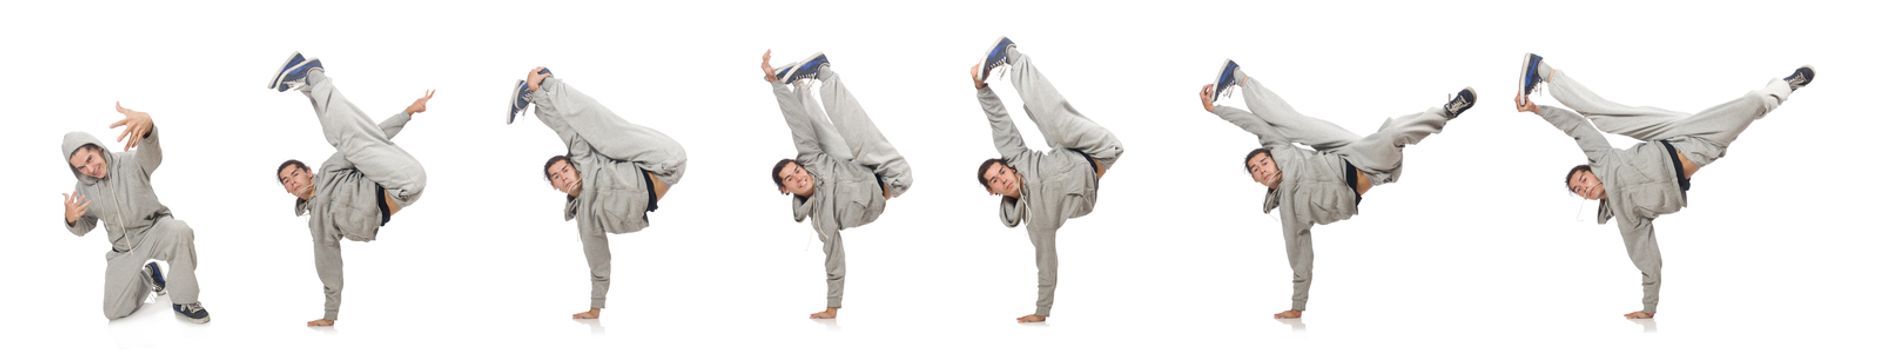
x: 1587, y: 185
x: 90, y: 162
x: 797, y: 180
x: 1002, y: 180
x: 565, y: 179
x: 1264, y: 170
x: 297, y: 181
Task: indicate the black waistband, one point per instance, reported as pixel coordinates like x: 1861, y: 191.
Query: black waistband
x: 652, y: 196
x: 1676, y: 163
x: 384, y: 209
x: 1350, y: 179
x: 1098, y: 177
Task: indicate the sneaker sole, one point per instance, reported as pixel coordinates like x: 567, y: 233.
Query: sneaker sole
x: 1520, y: 86
x: 787, y: 78
x: 285, y: 67
x: 516, y: 109
x: 204, y: 319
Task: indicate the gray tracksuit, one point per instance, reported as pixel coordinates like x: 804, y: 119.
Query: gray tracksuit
x: 1058, y: 185
x: 352, y: 182
x: 850, y: 161
x: 1313, y: 189
x: 1641, y: 181
x: 613, y: 157
x: 140, y: 227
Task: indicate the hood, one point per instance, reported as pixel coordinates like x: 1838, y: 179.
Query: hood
x: 74, y: 140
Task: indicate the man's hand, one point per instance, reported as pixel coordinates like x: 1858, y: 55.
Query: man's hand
x: 769, y: 72
x: 135, y: 123
x: 419, y: 105
x: 978, y: 82
x: 1526, y: 105
x: 1207, y: 97
x: 75, y: 207
x: 320, y: 323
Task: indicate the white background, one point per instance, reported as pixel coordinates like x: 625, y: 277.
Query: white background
x: 1478, y: 245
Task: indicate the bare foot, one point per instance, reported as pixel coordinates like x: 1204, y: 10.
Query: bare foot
x: 1639, y: 315
x: 320, y: 323
x: 827, y: 314
x: 589, y: 315
x: 1032, y: 318
x: 1287, y: 314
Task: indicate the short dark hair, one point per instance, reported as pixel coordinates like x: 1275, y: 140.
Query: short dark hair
x: 289, y: 162
x: 88, y: 146
x: 987, y: 165
x: 776, y: 172
x: 1255, y: 152
x: 1575, y: 171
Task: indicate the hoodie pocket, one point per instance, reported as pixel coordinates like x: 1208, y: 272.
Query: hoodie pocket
x: 1652, y: 200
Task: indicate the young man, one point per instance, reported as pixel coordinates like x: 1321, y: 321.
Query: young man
x: 1322, y: 184
x: 843, y: 173
x: 359, y: 187
x: 140, y: 227
x: 1636, y: 185
x: 1041, y: 189
x: 614, y: 174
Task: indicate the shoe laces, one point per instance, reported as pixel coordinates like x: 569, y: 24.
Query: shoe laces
x: 1455, y: 104
x: 191, y: 307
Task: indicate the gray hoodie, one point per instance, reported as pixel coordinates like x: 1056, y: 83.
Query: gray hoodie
x: 345, y: 204
x: 123, y: 199
x: 1059, y: 185
x: 1640, y: 185
x: 1313, y: 192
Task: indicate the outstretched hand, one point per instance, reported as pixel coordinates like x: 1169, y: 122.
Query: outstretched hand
x: 75, y: 207
x: 135, y: 124
x: 1526, y: 105
x: 978, y: 82
x: 1207, y: 97
x: 419, y: 105
x: 769, y: 72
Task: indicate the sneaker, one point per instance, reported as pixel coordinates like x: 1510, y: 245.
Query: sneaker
x: 782, y: 72
x: 1460, y: 103
x: 1227, y: 79
x: 154, y: 276
x: 808, y: 68
x: 1530, y: 78
x: 1800, y: 78
x: 293, y: 74
x: 519, y: 100
x: 994, y: 57
x: 192, y: 311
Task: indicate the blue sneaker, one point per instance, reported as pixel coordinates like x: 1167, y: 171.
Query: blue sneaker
x: 192, y: 312
x: 519, y: 102
x: 1460, y: 103
x: 808, y: 68
x: 782, y: 72
x: 1227, y: 79
x: 1530, y: 75
x: 294, y: 74
x: 1800, y: 78
x: 154, y: 276
x: 994, y: 57
x: 292, y: 61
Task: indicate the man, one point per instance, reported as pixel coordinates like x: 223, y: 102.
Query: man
x: 1322, y: 184
x: 843, y: 173
x: 115, y: 188
x: 1041, y: 189
x: 1636, y: 185
x: 359, y: 187
x: 615, y: 172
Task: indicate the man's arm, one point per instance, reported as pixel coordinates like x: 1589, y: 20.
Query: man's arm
x: 1005, y: 135
x: 142, y: 133
x: 78, y: 218
x: 1269, y: 137
x: 599, y: 263
x: 1590, y: 140
x: 391, y: 126
x: 326, y: 260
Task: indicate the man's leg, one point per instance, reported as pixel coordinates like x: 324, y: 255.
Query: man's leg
x: 1718, y: 126
x: 831, y: 142
x: 363, y: 143
x: 172, y: 241
x: 869, y: 145
x: 1060, y: 123
x: 1381, y: 153
x: 1268, y: 106
x: 1638, y: 122
x: 124, y: 284
x: 610, y: 135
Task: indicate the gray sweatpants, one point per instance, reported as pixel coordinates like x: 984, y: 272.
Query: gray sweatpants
x: 607, y: 133
x: 1702, y: 137
x: 1379, y: 155
x: 854, y: 135
x: 125, y: 287
x: 1063, y: 127
x: 354, y: 134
